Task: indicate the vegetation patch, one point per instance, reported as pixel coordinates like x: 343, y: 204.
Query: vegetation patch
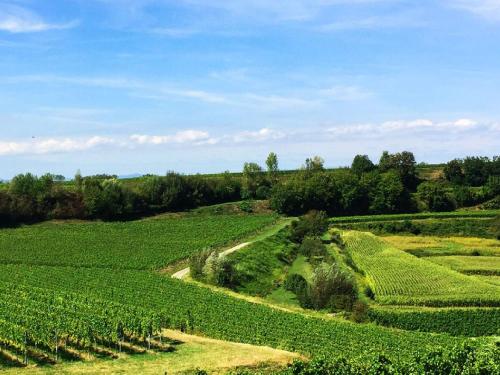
x: 471, y: 265
x: 400, y: 278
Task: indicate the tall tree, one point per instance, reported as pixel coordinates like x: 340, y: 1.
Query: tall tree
x: 362, y: 164
x: 272, y: 167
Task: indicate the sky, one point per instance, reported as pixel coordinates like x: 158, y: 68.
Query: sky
x: 201, y: 86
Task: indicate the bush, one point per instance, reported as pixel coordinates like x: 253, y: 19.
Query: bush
x: 297, y: 284
x: 332, y: 288
x: 312, y: 247
x: 197, y: 263
x: 359, y: 312
x: 313, y: 224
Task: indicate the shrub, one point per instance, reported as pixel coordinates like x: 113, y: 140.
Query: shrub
x: 197, y: 263
x: 332, y: 288
x: 359, y: 312
x: 312, y: 247
x: 314, y: 224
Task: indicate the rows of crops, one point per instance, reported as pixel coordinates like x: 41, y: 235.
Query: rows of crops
x: 221, y: 316
x: 465, y: 227
x: 400, y: 278
x: 471, y: 265
x: 144, y: 244
x: 417, y: 216
x: 427, y: 246
x: 33, y: 316
x: 482, y: 321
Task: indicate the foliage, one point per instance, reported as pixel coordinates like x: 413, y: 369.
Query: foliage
x: 435, y: 196
x: 272, y: 167
x: 460, y: 360
x: 332, y: 288
x: 312, y: 247
x: 468, y: 227
x: 314, y: 223
x: 218, y: 315
x: 455, y: 321
x: 362, y: 164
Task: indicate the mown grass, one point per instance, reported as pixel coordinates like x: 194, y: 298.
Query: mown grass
x: 400, y: 278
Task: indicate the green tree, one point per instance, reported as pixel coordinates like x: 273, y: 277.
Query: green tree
x: 362, y: 164
x: 453, y: 171
x: 272, y: 167
x: 252, y: 179
x: 314, y: 164
x: 435, y: 196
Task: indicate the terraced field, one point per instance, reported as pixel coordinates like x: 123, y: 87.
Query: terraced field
x: 427, y: 246
x: 400, y: 278
x: 472, y: 265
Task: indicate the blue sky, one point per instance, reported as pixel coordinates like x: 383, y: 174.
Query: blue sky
x: 147, y: 86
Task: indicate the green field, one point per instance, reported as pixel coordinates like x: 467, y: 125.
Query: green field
x: 145, y: 244
x: 427, y: 246
x: 88, y: 287
x: 475, y: 265
x: 400, y: 278
x: 417, y: 216
x: 218, y: 315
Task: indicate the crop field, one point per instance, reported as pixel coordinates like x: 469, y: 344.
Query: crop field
x: 484, y: 227
x: 427, y: 246
x: 468, y: 321
x: 400, y: 278
x: 220, y: 316
x: 145, y: 244
x: 416, y: 216
x: 480, y: 265
x: 71, y: 290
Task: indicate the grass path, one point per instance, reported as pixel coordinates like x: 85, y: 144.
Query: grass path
x: 273, y: 229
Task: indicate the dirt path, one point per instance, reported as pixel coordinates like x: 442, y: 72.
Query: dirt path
x: 184, y: 272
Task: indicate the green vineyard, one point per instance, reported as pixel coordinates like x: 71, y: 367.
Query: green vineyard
x: 400, y: 278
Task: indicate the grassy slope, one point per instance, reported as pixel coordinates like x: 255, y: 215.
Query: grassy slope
x: 143, y: 244
x: 259, y: 265
x: 400, y: 278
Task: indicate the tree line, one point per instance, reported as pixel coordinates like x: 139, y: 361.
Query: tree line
x: 390, y: 186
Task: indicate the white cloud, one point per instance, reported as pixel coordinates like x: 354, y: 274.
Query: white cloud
x: 407, y: 126
x: 15, y: 19
x: 53, y: 145
x: 186, y: 136
x: 263, y: 134
x: 489, y: 9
